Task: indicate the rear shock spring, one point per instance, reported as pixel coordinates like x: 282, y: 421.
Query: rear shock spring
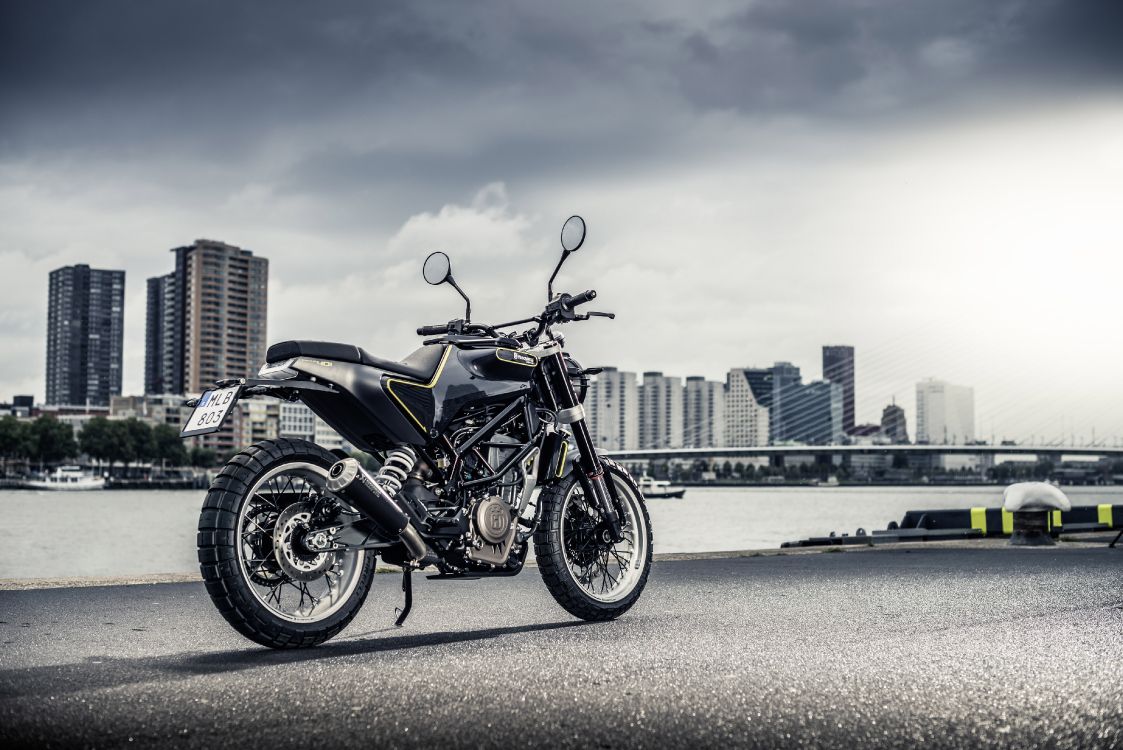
x: 397, y: 466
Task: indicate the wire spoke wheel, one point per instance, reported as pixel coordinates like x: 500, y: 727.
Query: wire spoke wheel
x: 589, y: 574
x: 606, y: 570
x: 266, y: 553
x: 293, y: 582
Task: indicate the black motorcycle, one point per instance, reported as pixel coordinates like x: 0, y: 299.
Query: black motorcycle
x: 462, y: 433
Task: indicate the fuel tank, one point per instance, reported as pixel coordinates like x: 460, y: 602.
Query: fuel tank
x: 465, y: 377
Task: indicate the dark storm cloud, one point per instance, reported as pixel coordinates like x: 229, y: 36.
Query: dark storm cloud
x: 219, y: 75
x: 815, y: 57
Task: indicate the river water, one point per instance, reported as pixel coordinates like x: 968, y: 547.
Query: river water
x: 131, y: 532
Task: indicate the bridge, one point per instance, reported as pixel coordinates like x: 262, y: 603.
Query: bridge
x: 1054, y: 452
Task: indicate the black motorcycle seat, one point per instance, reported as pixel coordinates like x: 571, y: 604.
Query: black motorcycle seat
x: 421, y: 365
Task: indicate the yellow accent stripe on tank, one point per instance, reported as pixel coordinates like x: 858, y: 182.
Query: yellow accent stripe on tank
x: 1104, y: 514
x: 1057, y: 518
x: 1007, y: 522
x: 979, y: 519
x: 430, y: 385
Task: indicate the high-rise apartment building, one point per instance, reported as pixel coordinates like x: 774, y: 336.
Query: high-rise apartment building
x: 85, y: 332
x: 703, y: 413
x: 945, y: 413
x: 206, y: 320
x: 748, y: 395
x: 894, y: 428
x: 838, y: 367
x: 163, y: 337
x: 612, y: 408
x: 660, y: 412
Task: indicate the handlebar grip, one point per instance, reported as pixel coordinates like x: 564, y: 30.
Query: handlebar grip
x: 582, y: 298
x: 432, y: 330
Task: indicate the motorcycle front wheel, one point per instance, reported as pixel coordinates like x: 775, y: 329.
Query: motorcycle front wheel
x: 589, y: 575
x: 265, y: 581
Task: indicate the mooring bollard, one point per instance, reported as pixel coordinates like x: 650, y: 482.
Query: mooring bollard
x: 1031, y: 503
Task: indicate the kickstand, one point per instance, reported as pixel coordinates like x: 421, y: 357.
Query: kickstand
x: 1116, y: 539
x: 407, y: 587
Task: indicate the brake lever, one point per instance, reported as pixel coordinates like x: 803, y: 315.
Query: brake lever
x: 610, y: 316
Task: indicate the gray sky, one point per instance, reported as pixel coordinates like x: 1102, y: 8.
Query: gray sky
x: 935, y: 183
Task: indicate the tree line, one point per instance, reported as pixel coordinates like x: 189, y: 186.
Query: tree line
x: 111, y: 441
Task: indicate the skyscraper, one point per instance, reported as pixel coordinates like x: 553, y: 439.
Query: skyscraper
x: 747, y: 398
x: 85, y: 329
x: 206, y: 319
x: 613, y: 410
x: 703, y: 413
x: 660, y: 411
x: 838, y: 367
x: 945, y: 413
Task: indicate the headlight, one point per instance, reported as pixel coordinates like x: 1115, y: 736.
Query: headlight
x: 577, y: 377
x: 278, y: 370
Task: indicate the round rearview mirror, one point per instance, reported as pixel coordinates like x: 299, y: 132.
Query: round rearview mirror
x: 437, y: 268
x: 573, y: 234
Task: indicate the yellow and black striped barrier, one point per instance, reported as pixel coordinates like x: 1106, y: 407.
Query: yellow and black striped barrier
x: 1000, y: 522
x: 971, y: 523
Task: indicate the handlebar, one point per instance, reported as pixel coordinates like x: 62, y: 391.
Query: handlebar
x: 559, y: 310
x: 580, y: 299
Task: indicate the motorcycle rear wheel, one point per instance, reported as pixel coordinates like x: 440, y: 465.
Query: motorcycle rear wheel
x: 268, y: 586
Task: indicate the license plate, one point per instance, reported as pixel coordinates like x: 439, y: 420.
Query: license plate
x: 211, y: 411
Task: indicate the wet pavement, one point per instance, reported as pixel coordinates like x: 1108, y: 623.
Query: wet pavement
x: 888, y: 647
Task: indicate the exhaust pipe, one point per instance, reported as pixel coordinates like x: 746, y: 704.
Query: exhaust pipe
x: 347, y: 479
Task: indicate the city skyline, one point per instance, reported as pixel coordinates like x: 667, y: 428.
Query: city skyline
x: 166, y: 300
x: 839, y: 358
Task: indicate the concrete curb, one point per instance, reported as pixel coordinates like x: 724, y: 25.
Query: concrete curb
x: 27, y: 584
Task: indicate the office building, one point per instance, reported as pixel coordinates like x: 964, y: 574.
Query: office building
x: 703, y: 413
x: 945, y: 413
x: 155, y: 409
x: 812, y: 413
x: 893, y: 425
x: 612, y: 409
x: 22, y: 406
x: 296, y: 421
x: 85, y: 331
x: 261, y: 419
x: 785, y: 378
x: 660, y: 411
x: 206, y: 320
x: 748, y: 395
x: 838, y: 367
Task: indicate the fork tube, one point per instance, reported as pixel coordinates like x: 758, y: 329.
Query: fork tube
x: 571, y: 412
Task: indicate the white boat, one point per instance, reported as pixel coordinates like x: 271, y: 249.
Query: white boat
x: 70, y: 478
x: 659, y: 488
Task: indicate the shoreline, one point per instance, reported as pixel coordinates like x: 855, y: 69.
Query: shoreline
x: 33, y: 584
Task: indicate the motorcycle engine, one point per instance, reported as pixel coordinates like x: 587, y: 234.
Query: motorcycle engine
x: 494, y: 517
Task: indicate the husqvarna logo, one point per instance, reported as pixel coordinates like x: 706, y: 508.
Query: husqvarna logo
x: 519, y: 358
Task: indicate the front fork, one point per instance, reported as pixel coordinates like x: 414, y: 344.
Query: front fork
x: 572, y: 413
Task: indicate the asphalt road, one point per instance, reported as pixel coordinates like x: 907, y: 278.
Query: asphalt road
x: 948, y: 647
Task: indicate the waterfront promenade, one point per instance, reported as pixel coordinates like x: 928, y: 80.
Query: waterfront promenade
x: 949, y: 645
